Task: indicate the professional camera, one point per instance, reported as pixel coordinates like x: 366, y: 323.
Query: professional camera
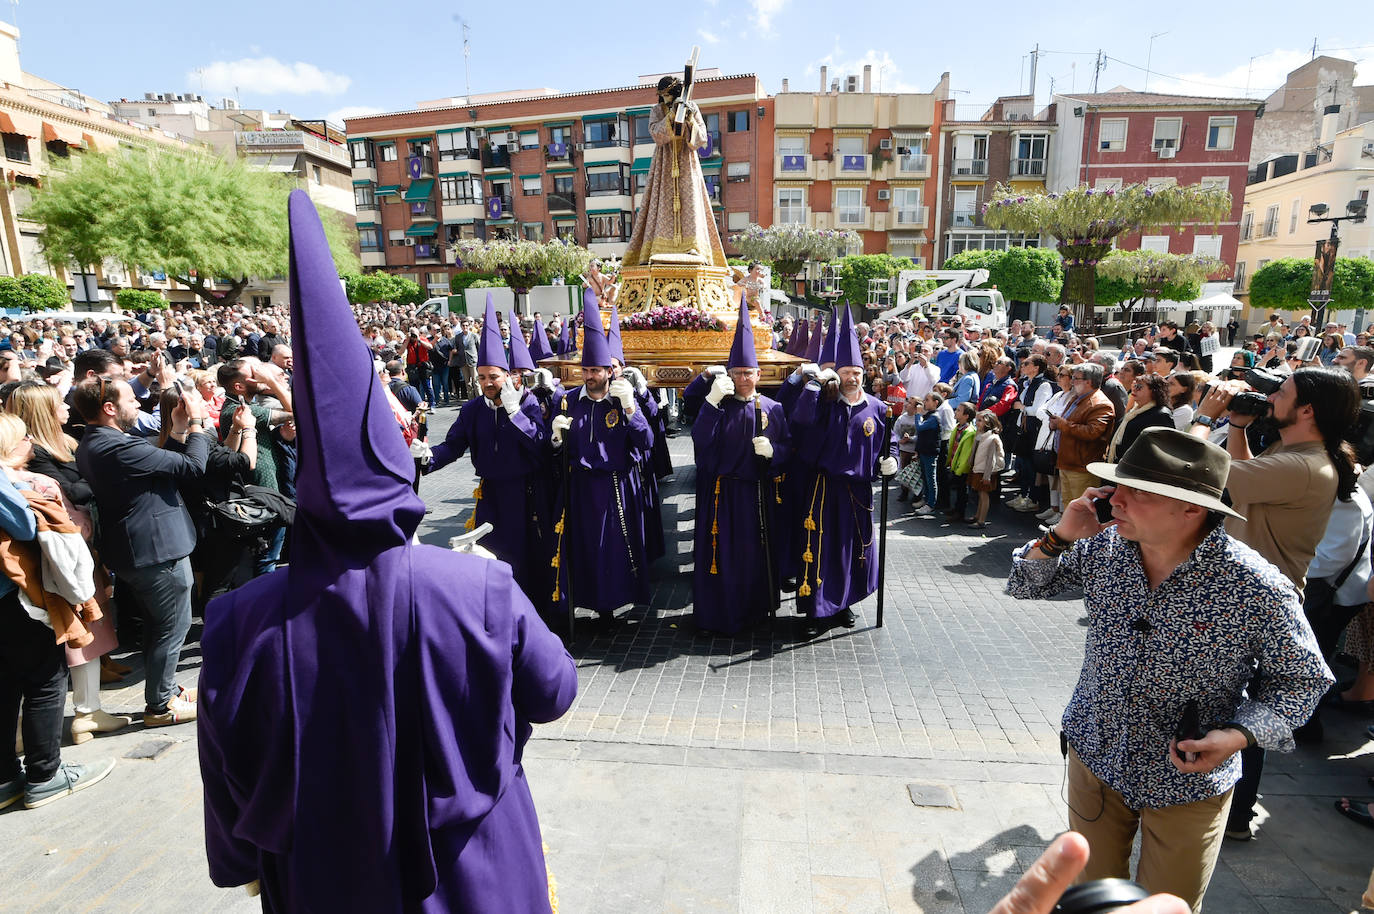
x: 1249, y: 403
x: 1264, y: 380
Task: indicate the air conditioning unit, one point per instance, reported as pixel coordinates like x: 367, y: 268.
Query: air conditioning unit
x: 410, y: 242
x: 1167, y: 152
x: 512, y: 138
x: 581, y: 146
x: 884, y: 195
x: 885, y: 144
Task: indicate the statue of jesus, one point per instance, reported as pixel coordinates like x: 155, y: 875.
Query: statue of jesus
x: 675, y: 223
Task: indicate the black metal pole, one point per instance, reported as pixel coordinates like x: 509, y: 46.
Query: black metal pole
x: 882, y: 514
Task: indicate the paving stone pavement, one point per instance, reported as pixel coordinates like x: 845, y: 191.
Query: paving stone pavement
x: 755, y: 774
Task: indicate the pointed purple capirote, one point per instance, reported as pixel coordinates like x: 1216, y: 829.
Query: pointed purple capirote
x: 847, y: 351
x: 742, y: 353
x: 802, y: 339
x: 828, y: 344
x: 564, y: 347
x: 539, y: 342
x: 519, y: 353
x: 789, y: 347
x: 613, y: 336
x: 490, y: 349
x: 596, y: 352
x: 813, y: 345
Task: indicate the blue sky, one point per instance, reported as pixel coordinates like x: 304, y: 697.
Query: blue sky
x: 350, y: 60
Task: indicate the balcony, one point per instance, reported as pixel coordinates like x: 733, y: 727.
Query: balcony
x: 1271, y: 228
x: 914, y: 165
x: 791, y: 215
x: 1247, y: 229
x: 1028, y: 168
x: 966, y: 218
x: 562, y: 203
x: 429, y: 252
x: 712, y: 147
x: 500, y: 206
x: 973, y: 167
x: 607, y: 143
x: 558, y: 152
x: 793, y: 164
x: 853, y: 164
x: 459, y: 155
x: 420, y: 166
x: 911, y: 216
x: 850, y: 216
x: 617, y: 188
x: 423, y: 211
x: 495, y: 157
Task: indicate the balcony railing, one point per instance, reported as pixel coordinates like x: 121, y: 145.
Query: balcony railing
x: 792, y: 162
x: 429, y: 250
x: 967, y: 218
x: 558, y: 152
x: 850, y: 215
x: 496, y: 157
x: 460, y: 155
x: 423, y: 210
x: 913, y: 163
x: 971, y: 167
x: 713, y: 189
x: 1028, y: 168
x: 791, y: 215
x: 418, y: 166
x: 623, y: 141
x: 712, y: 147
x: 1247, y: 229
x: 854, y: 163
x: 913, y: 215
x: 1271, y: 228
x: 562, y: 203
x: 499, y: 206
x: 618, y: 189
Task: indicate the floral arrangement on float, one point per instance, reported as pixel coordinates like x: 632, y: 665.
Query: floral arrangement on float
x: 672, y: 318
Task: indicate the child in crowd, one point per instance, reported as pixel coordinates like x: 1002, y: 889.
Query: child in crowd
x: 988, y: 461
x: 961, y: 459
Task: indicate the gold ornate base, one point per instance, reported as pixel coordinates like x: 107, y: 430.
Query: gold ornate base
x: 675, y: 285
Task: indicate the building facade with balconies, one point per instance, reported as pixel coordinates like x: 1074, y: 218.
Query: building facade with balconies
x: 1009, y: 145
x: 853, y: 159
x: 538, y: 166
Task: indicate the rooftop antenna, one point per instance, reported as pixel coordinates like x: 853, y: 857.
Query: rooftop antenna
x: 467, y: 56
x: 1149, y: 56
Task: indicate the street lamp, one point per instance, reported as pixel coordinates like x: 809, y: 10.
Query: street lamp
x: 1325, y: 264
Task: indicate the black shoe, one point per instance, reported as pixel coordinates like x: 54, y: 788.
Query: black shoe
x: 847, y: 618
x: 901, y: 496
x: 1310, y: 732
x: 812, y: 628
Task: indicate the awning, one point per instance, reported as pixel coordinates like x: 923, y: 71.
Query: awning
x: 7, y: 126
x: 278, y: 163
x: 1216, y: 296
x: 564, y: 167
x: 421, y: 231
x: 361, y: 183
x: 88, y: 141
x: 613, y: 166
x: 459, y: 221
x: 641, y: 165
x: 386, y: 190
x: 605, y: 212
x: 419, y: 191
x: 906, y: 237
x: 565, y: 217
x: 61, y: 133
x: 536, y: 175
x: 604, y: 116
x: 363, y: 225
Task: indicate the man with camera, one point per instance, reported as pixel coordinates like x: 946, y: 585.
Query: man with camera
x: 1179, y: 612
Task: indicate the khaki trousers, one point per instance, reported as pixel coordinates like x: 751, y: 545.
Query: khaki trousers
x: 1072, y: 484
x: 1179, y: 844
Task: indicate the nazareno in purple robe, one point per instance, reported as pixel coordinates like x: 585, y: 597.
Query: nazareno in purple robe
x: 363, y: 712
x: 732, y: 587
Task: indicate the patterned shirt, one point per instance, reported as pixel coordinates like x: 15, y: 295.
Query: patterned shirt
x: 1198, y: 635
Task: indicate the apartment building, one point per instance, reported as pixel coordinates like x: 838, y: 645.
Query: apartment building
x: 1118, y: 137
x: 1281, y: 192
x: 1008, y: 145
x: 539, y: 165
x: 850, y: 158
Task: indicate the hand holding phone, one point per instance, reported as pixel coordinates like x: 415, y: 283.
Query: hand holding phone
x: 1102, y: 504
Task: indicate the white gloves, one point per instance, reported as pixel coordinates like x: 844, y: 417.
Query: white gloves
x: 420, y: 451
x: 559, y: 425
x: 763, y: 447
x: 715, y: 371
x: 827, y: 375
x: 510, y: 398
x: 810, y: 370
x: 636, y: 377
x: 721, y: 388
x: 622, y: 391
x: 888, y: 466
x: 543, y: 379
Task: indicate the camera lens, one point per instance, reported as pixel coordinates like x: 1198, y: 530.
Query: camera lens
x: 1100, y: 895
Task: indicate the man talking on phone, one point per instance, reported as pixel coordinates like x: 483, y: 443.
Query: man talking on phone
x: 1179, y: 613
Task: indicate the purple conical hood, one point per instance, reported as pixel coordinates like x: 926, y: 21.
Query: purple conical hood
x: 353, y: 490
x: 490, y: 349
x: 564, y: 347
x: 828, y: 344
x: 519, y: 353
x: 790, y: 347
x: 847, y: 352
x: 742, y: 350
x: 539, y: 342
x: 802, y: 341
x: 613, y: 336
x: 813, y: 345
x: 596, y: 352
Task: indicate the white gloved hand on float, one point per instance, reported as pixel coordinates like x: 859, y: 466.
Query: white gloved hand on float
x: 510, y: 398
x: 721, y: 388
x: 827, y: 374
x: 543, y: 379
x: 714, y: 371
x: 624, y: 393
x: 810, y: 370
x: 560, y: 425
x: 636, y: 377
x: 888, y: 466
x: 763, y: 447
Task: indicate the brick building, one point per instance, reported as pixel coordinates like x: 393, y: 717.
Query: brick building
x: 1108, y: 139
x: 537, y: 166
x: 1009, y: 145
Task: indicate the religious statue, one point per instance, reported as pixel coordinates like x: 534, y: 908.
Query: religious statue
x: 675, y: 223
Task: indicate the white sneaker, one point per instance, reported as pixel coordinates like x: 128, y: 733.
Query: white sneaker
x: 1045, y: 514
x: 1019, y: 503
x: 925, y: 511
x: 1053, y: 519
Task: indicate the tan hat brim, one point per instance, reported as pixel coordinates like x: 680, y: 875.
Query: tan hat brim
x: 1107, y: 472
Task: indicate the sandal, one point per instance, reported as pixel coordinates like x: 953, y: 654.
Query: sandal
x: 1349, y: 809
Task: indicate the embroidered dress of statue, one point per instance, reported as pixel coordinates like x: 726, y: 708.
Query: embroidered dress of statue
x: 675, y: 217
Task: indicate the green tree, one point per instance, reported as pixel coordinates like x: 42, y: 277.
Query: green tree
x: 857, y: 269
x: 1286, y: 284
x: 139, y: 300
x: 787, y: 246
x: 193, y: 215
x: 366, y: 288
x: 1127, y: 278
x: 1021, y: 274
x: 33, y: 292
x: 523, y: 264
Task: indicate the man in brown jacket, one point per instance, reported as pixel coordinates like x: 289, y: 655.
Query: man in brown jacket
x: 1083, y: 431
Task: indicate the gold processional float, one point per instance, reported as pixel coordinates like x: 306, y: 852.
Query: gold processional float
x: 674, y: 275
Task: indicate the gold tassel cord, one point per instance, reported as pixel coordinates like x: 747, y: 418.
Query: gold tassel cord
x: 715, y: 526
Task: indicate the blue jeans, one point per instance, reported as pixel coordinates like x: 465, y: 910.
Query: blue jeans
x: 164, y: 592
x: 440, y: 381
x: 267, y: 562
x: 928, y: 476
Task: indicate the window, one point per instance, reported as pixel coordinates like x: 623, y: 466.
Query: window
x: 1261, y: 265
x: 599, y: 134
x: 58, y: 149
x: 1221, y: 132
x: 965, y: 207
x: 1030, y: 154
x: 16, y: 147
x: 735, y: 172
x: 560, y: 135
x: 1240, y: 275
x: 532, y: 187
x: 849, y: 206
x: 361, y: 153
x: 396, y: 237
x: 1271, y: 222
x: 454, y: 146
x: 849, y: 146
x: 368, y: 239
x: 1207, y: 244
x: 608, y: 182
x: 1160, y: 183
x: 739, y: 121
x: 712, y: 123
x: 563, y: 186
x: 641, y: 182
x: 1157, y: 243
x: 1107, y: 184
x: 737, y: 222
x: 1293, y: 216
x: 533, y: 231
x: 712, y: 179
x: 1247, y: 226
x: 641, y: 129
x: 1167, y: 132
x: 418, y: 147
x: 458, y: 189
x: 388, y: 151
x: 1111, y: 134
x: 565, y: 231
x: 529, y: 139
x: 791, y: 208
x: 970, y: 154
x: 1221, y: 183
x: 316, y: 174
x: 364, y: 196
x: 791, y: 146
x: 608, y: 227
x: 906, y: 204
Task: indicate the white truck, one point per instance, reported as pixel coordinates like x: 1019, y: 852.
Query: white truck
x: 956, y: 296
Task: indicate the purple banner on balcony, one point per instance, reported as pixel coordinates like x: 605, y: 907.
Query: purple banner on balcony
x: 558, y: 150
x: 709, y: 149
x: 424, y: 250
x: 853, y: 163
x: 413, y: 167
x: 794, y: 163
x: 494, y: 210
x: 418, y: 209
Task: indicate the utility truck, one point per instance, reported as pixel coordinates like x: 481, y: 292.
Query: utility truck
x: 956, y: 296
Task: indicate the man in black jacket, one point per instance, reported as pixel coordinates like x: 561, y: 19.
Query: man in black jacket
x: 146, y: 534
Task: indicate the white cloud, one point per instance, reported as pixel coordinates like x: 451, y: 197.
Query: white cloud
x: 269, y: 76
x: 887, y: 74
x: 1263, y: 75
x: 708, y: 37
x: 339, y: 115
x: 764, y: 11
